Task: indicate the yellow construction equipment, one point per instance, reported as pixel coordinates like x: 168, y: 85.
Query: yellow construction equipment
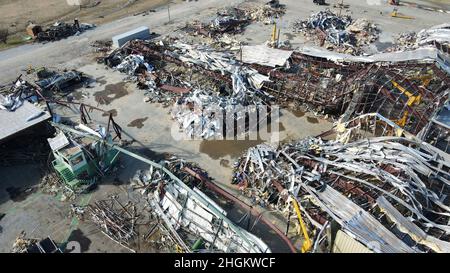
x: 426, y: 79
x: 275, y: 39
x: 395, y: 13
x: 307, y: 243
x: 412, y: 100
x: 179, y: 249
x: 274, y: 34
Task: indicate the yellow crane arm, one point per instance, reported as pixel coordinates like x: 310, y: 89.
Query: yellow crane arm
x: 412, y: 99
x: 307, y: 244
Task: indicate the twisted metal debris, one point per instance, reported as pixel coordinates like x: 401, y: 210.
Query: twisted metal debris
x: 340, y: 32
x: 235, y: 19
x: 188, y: 213
x: 115, y: 220
x: 381, y: 179
x: 61, y: 30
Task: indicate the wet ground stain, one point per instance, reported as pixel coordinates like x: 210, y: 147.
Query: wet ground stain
x: 138, y: 123
x: 312, y: 120
x: 78, y: 236
x: 382, y: 46
x: 100, y: 80
x: 150, y: 154
x: 111, y: 93
x: 1, y: 217
x: 268, y: 128
x: 78, y: 95
x: 217, y: 149
x: 225, y: 163
x: 113, y: 112
x: 298, y: 113
x: 18, y: 194
x: 118, y: 182
x: 289, y: 36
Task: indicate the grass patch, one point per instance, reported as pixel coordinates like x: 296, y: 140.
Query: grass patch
x: 15, y: 40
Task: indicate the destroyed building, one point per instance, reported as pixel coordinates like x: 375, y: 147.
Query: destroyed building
x: 388, y: 190
x: 378, y: 181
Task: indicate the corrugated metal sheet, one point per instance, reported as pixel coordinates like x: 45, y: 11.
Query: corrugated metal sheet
x: 14, y: 122
x: 420, y: 54
x: 346, y: 244
x: 263, y: 55
x: 359, y: 222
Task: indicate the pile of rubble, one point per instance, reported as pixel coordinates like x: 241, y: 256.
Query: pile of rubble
x: 27, y: 245
x: 437, y: 36
x: 22, y: 244
x: 61, y: 30
x: 52, y: 184
x: 264, y: 13
x: 47, y: 84
x: 191, y: 217
x: 185, y: 75
x: 404, y: 41
x: 15, y: 94
x: 102, y: 48
x: 116, y: 220
x: 338, y: 33
x: 234, y: 20
x: 59, y: 81
x: 184, y: 84
x: 202, y: 121
x: 363, y: 185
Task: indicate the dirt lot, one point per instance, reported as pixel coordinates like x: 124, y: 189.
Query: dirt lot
x: 16, y: 14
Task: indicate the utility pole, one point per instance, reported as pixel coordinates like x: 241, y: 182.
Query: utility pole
x: 341, y: 5
x: 168, y: 10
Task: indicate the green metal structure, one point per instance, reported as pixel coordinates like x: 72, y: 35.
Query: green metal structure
x: 80, y: 161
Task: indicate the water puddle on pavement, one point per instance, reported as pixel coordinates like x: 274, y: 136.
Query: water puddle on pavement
x: 312, y: 120
x: 111, y: 93
x: 225, y: 163
x: 113, y: 112
x: 101, y: 80
x: 298, y: 113
x: 217, y: 149
x: 138, y: 123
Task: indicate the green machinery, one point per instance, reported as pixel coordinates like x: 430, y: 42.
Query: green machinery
x: 80, y: 160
